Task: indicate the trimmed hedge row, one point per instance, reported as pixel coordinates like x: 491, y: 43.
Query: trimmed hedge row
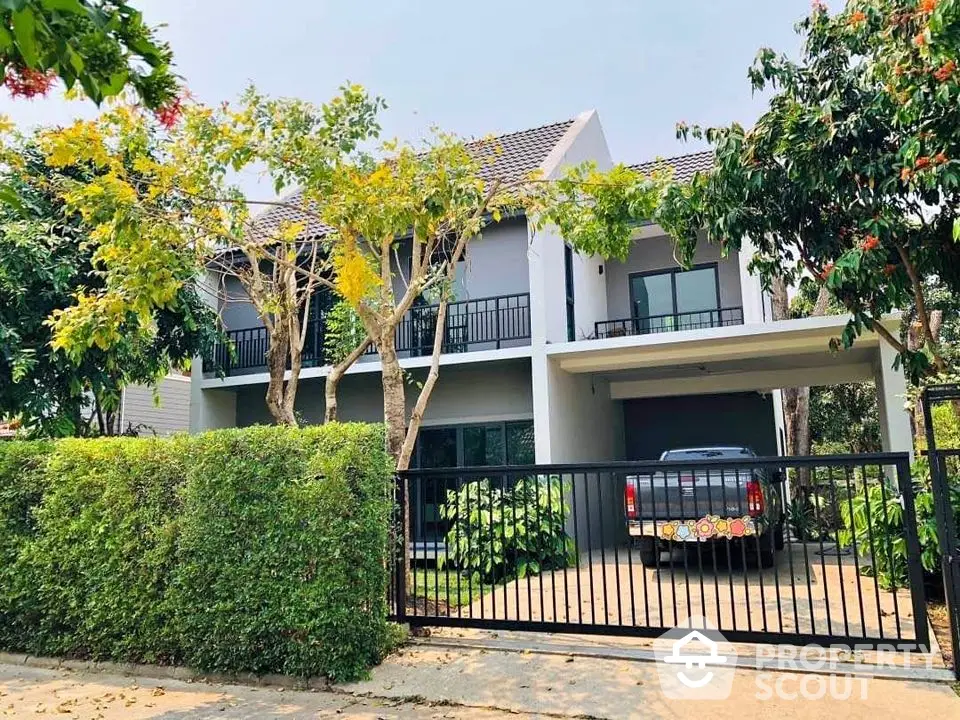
x: 255, y: 550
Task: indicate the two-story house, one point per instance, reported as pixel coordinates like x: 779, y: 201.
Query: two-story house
x: 555, y: 357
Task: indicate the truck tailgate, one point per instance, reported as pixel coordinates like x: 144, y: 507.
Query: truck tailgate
x: 683, y: 498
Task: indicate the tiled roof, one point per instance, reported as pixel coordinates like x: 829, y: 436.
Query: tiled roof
x: 510, y: 157
x: 684, y: 166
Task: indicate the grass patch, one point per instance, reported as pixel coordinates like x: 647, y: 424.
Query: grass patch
x: 443, y: 586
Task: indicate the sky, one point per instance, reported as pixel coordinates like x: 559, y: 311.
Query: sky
x: 479, y: 67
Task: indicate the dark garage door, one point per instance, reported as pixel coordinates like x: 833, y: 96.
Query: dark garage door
x: 652, y: 425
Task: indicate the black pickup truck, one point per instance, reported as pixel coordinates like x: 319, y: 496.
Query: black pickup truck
x: 705, y: 504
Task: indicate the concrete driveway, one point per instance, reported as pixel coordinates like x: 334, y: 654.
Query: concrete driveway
x: 808, y: 591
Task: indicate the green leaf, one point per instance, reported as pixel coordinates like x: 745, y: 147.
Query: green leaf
x: 956, y: 229
x: 25, y: 30
x: 71, y: 6
x: 9, y: 196
x: 6, y: 39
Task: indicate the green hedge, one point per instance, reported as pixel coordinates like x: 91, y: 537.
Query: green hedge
x: 255, y: 550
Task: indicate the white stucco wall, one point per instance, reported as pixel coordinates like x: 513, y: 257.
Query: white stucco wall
x: 756, y: 303
x: 488, y: 392
x: 577, y: 421
x: 583, y: 141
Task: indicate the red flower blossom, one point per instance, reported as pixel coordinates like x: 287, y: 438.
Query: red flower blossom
x: 28, y: 83
x: 169, y: 114
x: 945, y: 71
x: 919, y: 39
x: 928, y: 6
x: 827, y: 269
x: 858, y: 17
x: 871, y: 242
x: 922, y: 162
x: 940, y: 158
x: 906, y: 174
x: 889, y: 269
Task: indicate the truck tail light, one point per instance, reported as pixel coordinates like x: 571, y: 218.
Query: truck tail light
x: 754, y: 498
x: 630, y: 498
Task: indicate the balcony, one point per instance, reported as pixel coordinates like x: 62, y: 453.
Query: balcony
x: 482, y: 324
x: 676, y: 322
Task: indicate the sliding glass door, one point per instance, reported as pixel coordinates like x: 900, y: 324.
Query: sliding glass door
x: 502, y: 443
x: 675, y: 299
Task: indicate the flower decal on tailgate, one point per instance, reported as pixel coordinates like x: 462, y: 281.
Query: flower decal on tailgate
x: 708, y: 527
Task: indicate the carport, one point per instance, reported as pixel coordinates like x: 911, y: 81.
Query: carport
x: 621, y: 398
x: 603, y: 409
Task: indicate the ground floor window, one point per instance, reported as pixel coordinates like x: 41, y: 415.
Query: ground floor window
x: 502, y: 443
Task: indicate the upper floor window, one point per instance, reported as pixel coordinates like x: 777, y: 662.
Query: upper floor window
x: 568, y: 287
x: 676, y: 299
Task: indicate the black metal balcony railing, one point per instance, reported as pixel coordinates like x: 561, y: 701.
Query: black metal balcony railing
x: 485, y: 323
x: 489, y: 321
x: 721, y: 317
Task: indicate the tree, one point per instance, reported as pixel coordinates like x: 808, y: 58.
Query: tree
x: 103, y: 46
x: 44, y: 261
x: 851, y: 175
x: 796, y: 400
x: 164, y: 213
x: 844, y: 418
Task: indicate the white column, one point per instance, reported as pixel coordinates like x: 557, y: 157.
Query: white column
x: 891, y: 396
x: 750, y: 289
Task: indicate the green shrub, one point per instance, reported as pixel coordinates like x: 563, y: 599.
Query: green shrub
x: 260, y: 550
x: 500, y: 533
x: 96, y: 573
x: 22, y: 482
x: 282, y: 563
x: 878, y: 518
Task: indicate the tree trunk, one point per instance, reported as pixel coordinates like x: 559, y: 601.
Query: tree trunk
x: 416, y: 416
x: 395, y: 418
x: 796, y: 401
x: 332, y: 381
x: 278, y: 402
x: 915, y: 342
x: 394, y: 396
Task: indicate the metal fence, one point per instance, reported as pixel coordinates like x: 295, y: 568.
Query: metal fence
x: 765, y: 549
x: 674, y: 322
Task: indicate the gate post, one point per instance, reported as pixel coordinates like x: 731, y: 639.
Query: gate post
x: 914, y: 563
x: 943, y: 511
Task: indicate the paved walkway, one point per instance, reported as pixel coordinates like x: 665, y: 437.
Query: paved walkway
x: 441, y: 682
x: 35, y: 693
x: 536, y: 684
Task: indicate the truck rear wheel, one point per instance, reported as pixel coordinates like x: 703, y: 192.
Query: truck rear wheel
x: 648, y: 550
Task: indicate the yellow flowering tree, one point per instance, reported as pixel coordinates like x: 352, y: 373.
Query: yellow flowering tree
x: 165, y: 214
x: 172, y: 214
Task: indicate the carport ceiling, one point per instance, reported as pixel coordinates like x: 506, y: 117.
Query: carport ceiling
x: 754, y: 374
x: 706, y: 367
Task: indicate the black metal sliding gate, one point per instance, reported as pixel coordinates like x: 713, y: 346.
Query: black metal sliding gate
x: 944, y: 467
x: 787, y: 550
